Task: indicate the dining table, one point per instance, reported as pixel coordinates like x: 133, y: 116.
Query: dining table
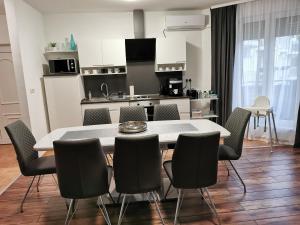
x: 167, y: 130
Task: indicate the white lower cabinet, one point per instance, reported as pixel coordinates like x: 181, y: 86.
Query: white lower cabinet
x: 64, y: 94
x: 114, y: 109
x: 182, y: 104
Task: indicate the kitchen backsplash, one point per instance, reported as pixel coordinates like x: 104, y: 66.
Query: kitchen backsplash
x: 141, y: 75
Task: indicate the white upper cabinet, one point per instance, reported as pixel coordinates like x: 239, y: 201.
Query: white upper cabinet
x: 113, y: 51
x: 170, y: 50
x: 98, y: 53
x: 89, y: 52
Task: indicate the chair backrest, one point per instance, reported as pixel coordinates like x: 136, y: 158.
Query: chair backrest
x: 96, y: 116
x: 137, y: 164
x: 23, y: 142
x: 81, y: 168
x: 132, y: 113
x: 262, y: 101
x: 166, y: 112
x: 195, y: 160
x: 236, y: 125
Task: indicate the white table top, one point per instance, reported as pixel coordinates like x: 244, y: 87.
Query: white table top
x: 202, y: 126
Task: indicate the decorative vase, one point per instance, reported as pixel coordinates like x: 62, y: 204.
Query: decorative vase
x: 72, y: 43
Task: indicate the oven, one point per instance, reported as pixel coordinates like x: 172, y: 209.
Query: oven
x: 148, y: 106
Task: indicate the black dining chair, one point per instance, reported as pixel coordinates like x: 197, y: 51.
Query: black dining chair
x: 233, y: 145
x: 132, y: 113
x: 30, y: 163
x: 82, y: 172
x: 137, y: 163
x: 166, y: 112
x: 194, y: 165
x: 96, y: 116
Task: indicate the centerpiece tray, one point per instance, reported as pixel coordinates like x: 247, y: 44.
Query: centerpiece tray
x: 131, y: 127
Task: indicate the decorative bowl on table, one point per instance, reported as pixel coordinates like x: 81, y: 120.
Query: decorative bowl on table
x: 131, y: 127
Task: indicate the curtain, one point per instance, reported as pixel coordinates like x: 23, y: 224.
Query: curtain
x: 267, y: 60
x: 223, y: 49
x: 297, y: 136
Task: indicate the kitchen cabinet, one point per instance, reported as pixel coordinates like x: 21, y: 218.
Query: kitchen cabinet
x: 113, y: 52
x: 89, y: 52
x: 113, y: 107
x: 101, y: 53
x: 63, y: 95
x: 182, y: 104
x: 170, y: 54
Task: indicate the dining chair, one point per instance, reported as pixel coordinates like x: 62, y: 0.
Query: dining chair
x: 82, y: 173
x: 96, y: 116
x: 166, y: 112
x: 132, y: 113
x: 194, y: 165
x: 30, y: 163
x: 137, y: 163
x: 233, y: 145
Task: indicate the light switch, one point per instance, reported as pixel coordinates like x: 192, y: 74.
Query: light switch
x: 32, y: 90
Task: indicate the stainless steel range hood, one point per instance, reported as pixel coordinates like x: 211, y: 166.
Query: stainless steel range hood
x: 138, y: 23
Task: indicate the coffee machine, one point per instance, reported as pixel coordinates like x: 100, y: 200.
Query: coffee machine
x: 175, y: 87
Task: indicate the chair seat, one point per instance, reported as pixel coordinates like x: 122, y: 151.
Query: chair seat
x: 42, y: 166
x: 168, y: 168
x: 227, y: 153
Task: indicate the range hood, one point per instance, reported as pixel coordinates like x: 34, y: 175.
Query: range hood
x: 138, y: 23
x: 139, y: 49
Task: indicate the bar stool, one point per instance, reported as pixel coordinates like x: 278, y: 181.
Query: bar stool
x: 262, y: 108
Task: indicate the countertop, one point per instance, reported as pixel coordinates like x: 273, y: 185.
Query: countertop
x: 129, y: 99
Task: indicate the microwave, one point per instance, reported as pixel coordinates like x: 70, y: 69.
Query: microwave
x: 64, y: 66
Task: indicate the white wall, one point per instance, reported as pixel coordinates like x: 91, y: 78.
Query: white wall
x: 26, y: 29
x: 198, y: 46
x: 120, y: 25
x: 4, y: 38
x: 87, y: 25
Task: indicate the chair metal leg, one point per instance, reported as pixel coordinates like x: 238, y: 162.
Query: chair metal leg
x: 265, y: 127
x: 111, y: 198
x: 55, y: 181
x: 178, y: 206
x: 248, y: 130
x: 254, y: 125
x: 212, y: 205
x: 157, y: 208
x: 104, y: 211
x: 68, y: 217
x: 228, y: 174
x: 24, y: 198
x: 270, y: 132
x: 275, y: 131
x: 168, y: 191
x: 122, y: 211
x: 238, y: 176
x: 37, y: 184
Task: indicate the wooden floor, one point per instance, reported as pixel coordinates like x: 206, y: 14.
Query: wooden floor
x: 9, y: 169
x: 273, y: 197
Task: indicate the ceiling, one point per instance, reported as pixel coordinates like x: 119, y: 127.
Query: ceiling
x: 57, y: 6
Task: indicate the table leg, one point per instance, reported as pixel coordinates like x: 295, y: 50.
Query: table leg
x: 270, y: 132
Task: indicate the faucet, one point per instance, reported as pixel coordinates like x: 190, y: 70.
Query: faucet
x: 106, y: 88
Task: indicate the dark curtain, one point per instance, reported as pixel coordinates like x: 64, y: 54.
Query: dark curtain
x: 223, y: 31
x: 297, y: 137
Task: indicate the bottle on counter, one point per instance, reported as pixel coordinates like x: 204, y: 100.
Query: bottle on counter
x: 131, y: 90
x: 90, y: 95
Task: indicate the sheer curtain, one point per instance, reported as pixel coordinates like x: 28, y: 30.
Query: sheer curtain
x: 267, y: 60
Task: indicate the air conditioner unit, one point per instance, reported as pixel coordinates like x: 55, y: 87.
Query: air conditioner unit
x: 185, y: 22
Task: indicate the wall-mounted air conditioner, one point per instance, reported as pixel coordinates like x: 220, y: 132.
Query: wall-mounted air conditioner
x: 185, y: 22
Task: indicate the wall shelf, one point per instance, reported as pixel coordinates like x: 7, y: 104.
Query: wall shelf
x: 102, y: 74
